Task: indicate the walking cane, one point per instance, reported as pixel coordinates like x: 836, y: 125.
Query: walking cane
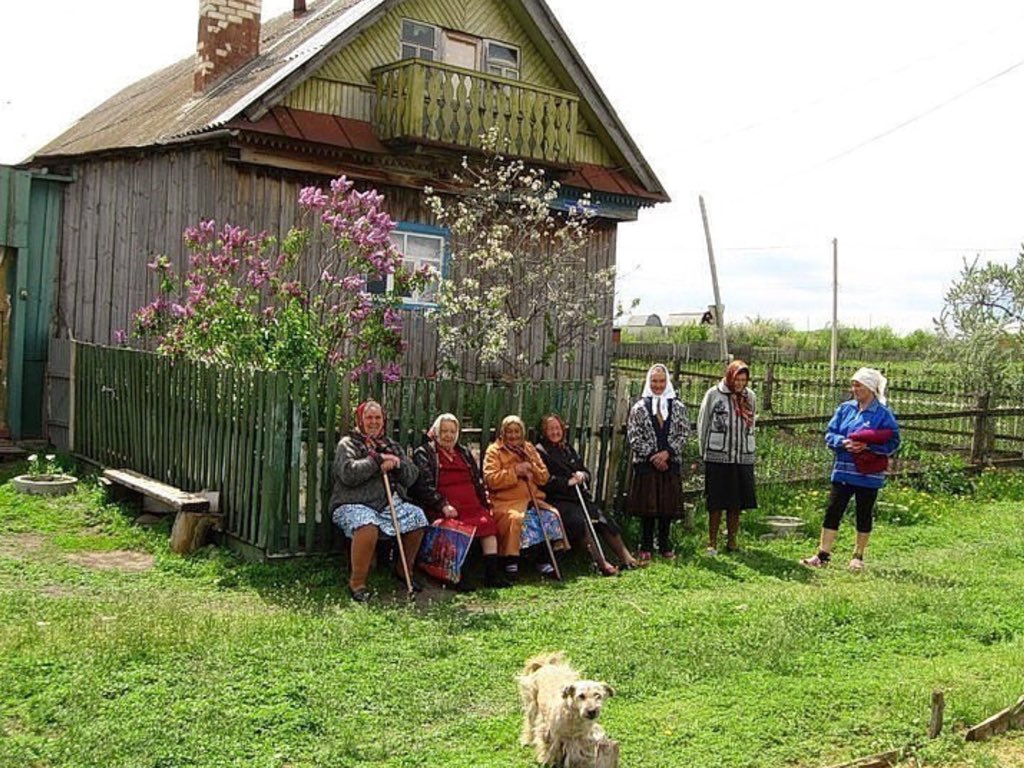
x: 590, y: 523
x: 547, y: 540
x: 398, y: 536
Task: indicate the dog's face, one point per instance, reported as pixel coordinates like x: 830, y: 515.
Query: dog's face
x: 586, y: 698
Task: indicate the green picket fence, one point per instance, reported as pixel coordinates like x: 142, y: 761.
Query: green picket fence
x: 266, y: 440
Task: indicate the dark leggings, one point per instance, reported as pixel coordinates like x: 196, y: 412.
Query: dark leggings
x: 647, y: 533
x: 838, y: 500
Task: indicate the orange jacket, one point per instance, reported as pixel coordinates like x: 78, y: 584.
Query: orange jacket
x: 508, y: 491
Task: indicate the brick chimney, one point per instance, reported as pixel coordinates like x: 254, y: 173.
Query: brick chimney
x: 229, y: 38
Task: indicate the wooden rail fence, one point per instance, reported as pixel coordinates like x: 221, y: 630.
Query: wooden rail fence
x: 266, y: 440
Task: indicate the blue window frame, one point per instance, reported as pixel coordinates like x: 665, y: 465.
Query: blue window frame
x: 420, y: 245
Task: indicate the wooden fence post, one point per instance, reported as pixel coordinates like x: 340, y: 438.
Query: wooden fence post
x: 769, y: 386
x: 618, y: 439
x: 596, y: 420
x: 983, y: 438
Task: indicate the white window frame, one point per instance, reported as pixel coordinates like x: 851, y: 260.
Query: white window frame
x: 400, y: 238
x: 506, y: 71
x: 435, y: 51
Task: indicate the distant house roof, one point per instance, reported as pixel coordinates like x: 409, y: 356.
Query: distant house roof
x: 642, y: 321
x: 684, y: 318
x: 163, y: 109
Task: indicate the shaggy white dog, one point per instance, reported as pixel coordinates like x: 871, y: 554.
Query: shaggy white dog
x: 560, y: 712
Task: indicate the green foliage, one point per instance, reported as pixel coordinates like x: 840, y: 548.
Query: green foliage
x: 944, y: 473
x: 982, y: 322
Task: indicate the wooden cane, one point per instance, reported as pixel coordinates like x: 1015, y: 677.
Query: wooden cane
x: 543, y: 530
x: 590, y: 523
x: 398, y: 535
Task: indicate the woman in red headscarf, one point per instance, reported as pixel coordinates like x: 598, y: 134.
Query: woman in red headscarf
x: 359, y: 501
x: 725, y: 429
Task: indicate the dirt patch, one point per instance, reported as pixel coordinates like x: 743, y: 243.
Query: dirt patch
x: 19, y: 545
x: 122, y: 560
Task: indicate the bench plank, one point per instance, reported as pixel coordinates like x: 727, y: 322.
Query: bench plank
x: 175, y: 498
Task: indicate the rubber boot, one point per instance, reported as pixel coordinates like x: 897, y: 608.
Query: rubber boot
x: 493, y: 576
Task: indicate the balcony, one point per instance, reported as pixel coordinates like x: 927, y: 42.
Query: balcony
x: 428, y: 102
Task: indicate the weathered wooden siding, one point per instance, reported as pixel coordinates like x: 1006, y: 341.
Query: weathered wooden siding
x: 121, y: 212
x: 342, y: 86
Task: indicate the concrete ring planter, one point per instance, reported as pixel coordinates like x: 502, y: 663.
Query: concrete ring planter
x: 45, y: 485
x: 781, y: 525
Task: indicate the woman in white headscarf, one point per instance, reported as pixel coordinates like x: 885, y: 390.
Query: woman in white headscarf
x: 863, y: 434
x: 657, y: 430
x: 450, y: 485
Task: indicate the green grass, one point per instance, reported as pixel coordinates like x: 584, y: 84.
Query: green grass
x: 746, y: 660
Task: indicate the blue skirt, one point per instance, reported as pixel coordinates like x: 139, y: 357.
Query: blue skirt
x: 350, y: 517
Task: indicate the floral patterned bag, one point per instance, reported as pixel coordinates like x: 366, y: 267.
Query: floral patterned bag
x: 444, y: 549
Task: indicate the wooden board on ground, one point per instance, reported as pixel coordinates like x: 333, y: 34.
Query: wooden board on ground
x: 1011, y: 717
x: 881, y: 760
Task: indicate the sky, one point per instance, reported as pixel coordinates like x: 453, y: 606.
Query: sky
x: 893, y: 127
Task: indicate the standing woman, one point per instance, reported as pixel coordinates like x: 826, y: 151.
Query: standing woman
x: 450, y: 486
x: 863, y: 434
x: 359, y: 501
x: 513, y: 471
x: 568, y: 474
x: 657, y: 430
x: 725, y: 430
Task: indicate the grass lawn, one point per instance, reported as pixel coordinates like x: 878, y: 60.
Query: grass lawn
x: 745, y: 660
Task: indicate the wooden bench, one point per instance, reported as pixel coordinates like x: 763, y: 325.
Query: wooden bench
x: 193, y: 517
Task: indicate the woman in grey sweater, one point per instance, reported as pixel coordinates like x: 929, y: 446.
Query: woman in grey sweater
x: 725, y: 429
x: 359, y: 501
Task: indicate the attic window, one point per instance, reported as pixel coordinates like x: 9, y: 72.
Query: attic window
x: 501, y: 59
x: 419, y: 41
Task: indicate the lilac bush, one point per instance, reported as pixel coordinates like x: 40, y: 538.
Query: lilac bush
x: 248, y: 299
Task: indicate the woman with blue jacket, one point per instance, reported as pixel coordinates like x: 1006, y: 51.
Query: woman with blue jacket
x: 863, y: 434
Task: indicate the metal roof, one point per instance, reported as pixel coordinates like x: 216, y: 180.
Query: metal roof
x: 163, y: 108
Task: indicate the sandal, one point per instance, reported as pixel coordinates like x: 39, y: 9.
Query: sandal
x: 643, y: 557
x: 608, y: 569
x: 669, y: 554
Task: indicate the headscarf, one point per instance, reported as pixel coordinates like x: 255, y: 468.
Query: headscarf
x: 435, y: 428
x: 740, y: 402
x: 660, y: 403
x: 544, y: 430
x: 378, y: 442
x: 873, y: 379
x: 516, y: 449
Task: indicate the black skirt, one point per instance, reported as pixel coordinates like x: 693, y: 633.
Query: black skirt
x: 656, y: 494
x: 729, y: 486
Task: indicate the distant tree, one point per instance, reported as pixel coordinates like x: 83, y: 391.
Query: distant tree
x: 516, y: 265
x: 982, y: 321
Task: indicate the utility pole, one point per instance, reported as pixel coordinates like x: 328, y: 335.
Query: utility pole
x: 723, y: 346
x: 834, y: 357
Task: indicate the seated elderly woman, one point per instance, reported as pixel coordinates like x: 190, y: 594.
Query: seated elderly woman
x: 565, y: 488
x: 450, y: 486
x: 514, y: 472
x: 359, y: 500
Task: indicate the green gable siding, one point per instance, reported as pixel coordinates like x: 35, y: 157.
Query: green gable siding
x: 342, y: 86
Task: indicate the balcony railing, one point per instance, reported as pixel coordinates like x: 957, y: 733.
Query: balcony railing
x: 429, y: 102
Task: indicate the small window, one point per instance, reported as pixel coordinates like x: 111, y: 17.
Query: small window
x: 501, y: 59
x: 419, y: 41
x: 420, y: 246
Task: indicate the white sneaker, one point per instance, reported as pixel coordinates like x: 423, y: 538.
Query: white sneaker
x: 711, y: 552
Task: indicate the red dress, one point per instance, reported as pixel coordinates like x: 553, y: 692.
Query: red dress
x: 455, y: 484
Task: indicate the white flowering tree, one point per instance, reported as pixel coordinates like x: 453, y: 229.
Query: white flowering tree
x: 519, y: 270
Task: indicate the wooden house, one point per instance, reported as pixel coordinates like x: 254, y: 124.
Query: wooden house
x: 390, y: 93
